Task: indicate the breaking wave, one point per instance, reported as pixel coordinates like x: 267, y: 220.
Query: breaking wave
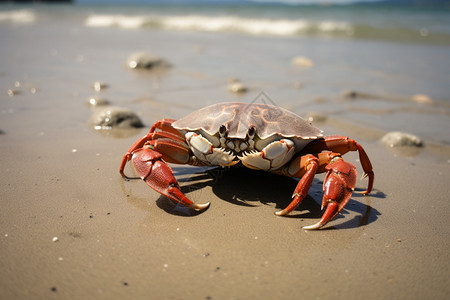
x: 256, y: 26
x: 18, y: 16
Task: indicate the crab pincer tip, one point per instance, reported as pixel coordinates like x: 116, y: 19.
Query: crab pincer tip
x: 281, y: 213
x: 318, y: 225
x: 371, y: 176
x: 199, y: 207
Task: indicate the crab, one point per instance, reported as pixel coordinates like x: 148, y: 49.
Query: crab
x: 257, y: 136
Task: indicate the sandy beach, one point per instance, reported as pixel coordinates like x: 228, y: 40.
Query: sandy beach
x: 73, y: 228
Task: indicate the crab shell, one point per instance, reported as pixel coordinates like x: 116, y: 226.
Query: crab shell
x: 277, y: 134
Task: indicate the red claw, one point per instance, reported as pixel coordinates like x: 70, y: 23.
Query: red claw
x: 338, y: 186
x: 159, y: 176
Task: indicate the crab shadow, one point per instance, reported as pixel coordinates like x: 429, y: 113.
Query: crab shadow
x: 251, y: 188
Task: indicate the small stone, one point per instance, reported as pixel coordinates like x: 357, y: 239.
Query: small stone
x: 13, y: 92
x: 302, y: 61
x: 297, y: 85
x: 99, y: 85
x: 96, y: 101
x: 314, y: 117
x: 236, y: 87
x: 55, y: 239
x: 145, y: 60
x: 350, y: 94
x: 80, y: 58
x: 115, y: 117
x: 420, y: 98
x: 397, y: 139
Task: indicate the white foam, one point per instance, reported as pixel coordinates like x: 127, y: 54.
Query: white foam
x: 121, y: 21
x: 282, y: 27
x: 230, y: 23
x: 18, y: 16
x: 331, y: 26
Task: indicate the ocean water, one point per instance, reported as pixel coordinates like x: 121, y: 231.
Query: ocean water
x: 396, y: 57
x: 399, y: 23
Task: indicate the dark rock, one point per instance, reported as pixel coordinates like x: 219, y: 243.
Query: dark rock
x: 145, y: 60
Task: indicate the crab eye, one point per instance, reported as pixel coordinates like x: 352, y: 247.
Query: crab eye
x: 251, y: 132
x: 222, y: 130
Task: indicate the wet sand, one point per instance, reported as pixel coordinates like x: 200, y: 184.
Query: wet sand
x: 72, y: 228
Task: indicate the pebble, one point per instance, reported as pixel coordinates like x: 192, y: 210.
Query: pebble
x: 314, y: 117
x: 55, y: 239
x: 236, y: 87
x: 114, y: 117
x: 99, y: 85
x: 302, y: 61
x: 13, y: 92
x: 349, y: 94
x: 421, y: 98
x: 146, y: 60
x: 397, y: 139
x: 297, y: 85
x: 96, y: 101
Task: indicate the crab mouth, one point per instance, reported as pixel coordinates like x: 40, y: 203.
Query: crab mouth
x: 228, y: 157
x: 237, y: 146
x: 239, y: 157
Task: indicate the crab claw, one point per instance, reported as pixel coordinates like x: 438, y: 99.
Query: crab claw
x: 338, y: 186
x: 159, y: 176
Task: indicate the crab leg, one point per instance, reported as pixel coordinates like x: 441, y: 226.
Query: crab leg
x: 159, y: 176
x: 172, y: 150
x: 342, y: 145
x: 308, y: 168
x: 165, y: 125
